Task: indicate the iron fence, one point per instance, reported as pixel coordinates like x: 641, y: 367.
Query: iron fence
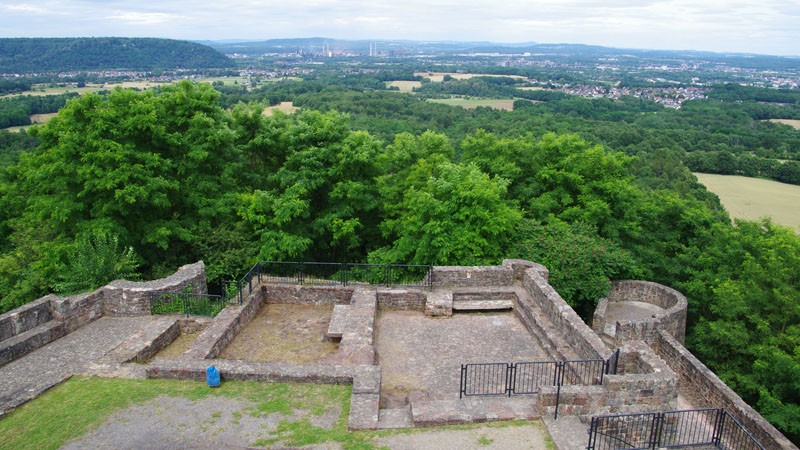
x: 527, y: 377
x: 709, y: 427
x: 187, y: 303
x: 484, y: 379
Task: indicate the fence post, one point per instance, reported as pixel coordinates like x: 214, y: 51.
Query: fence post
x: 718, y: 427
x: 344, y: 274
x: 616, y: 361
x: 511, y: 375
x: 430, y: 278
x: 592, y: 433
x: 258, y: 264
x: 655, y: 433
x: 463, y: 385
x: 300, y: 274
x: 559, y: 380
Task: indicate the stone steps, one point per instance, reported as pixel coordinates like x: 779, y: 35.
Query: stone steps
x: 483, y: 305
x: 395, y: 418
x: 430, y: 412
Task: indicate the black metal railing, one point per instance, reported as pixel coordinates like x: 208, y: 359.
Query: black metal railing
x: 329, y: 274
x: 711, y: 427
x: 186, y: 303
x: 486, y: 379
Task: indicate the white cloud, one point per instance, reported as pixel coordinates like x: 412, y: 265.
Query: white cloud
x: 143, y: 18
x: 767, y: 26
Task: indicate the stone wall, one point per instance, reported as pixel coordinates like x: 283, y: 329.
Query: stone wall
x: 578, y: 335
x: 225, y: 326
x: 472, y: 276
x: 308, y: 295
x: 78, y: 310
x: 131, y: 298
x: 673, y: 319
x: 713, y: 392
x: 402, y: 299
x: 23, y: 319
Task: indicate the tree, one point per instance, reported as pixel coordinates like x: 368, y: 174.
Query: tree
x: 457, y: 215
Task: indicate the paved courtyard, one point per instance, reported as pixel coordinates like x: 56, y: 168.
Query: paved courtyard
x: 420, y: 353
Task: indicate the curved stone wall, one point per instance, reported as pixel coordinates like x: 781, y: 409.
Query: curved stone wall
x: 672, y: 319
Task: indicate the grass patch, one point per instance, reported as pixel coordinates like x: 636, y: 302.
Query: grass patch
x: 81, y: 404
x: 753, y: 198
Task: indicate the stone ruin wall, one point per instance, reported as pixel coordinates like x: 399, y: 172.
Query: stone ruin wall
x: 42, y: 321
x: 673, y: 319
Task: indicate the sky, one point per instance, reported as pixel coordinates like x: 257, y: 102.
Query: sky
x: 748, y: 26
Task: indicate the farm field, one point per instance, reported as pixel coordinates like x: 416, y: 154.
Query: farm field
x: 284, y: 107
x: 35, y: 119
x: 403, y: 85
x: 791, y: 122
x: 753, y: 198
x: 439, y: 76
x: 471, y: 103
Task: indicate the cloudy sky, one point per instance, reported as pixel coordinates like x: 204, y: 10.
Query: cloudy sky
x: 755, y: 26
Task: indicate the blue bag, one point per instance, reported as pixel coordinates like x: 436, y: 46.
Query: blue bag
x: 212, y: 376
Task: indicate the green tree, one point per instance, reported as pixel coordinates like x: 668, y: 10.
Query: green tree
x: 93, y: 261
x: 458, y: 215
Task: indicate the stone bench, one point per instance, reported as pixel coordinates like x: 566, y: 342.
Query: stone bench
x: 338, y: 322
x: 28, y: 341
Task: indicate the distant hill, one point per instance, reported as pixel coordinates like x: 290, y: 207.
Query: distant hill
x: 577, y: 51
x: 26, y: 55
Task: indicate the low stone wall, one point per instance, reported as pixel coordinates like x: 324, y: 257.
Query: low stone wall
x: 673, y: 319
x: 474, y: 276
x: 366, y: 380
x: 130, y: 298
x: 225, y: 326
x: 24, y: 318
x: 519, y: 266
x: 578, y: 335
x: 401, y: 299
x: 713, y: 392
x: 308, y: 295
x: 78, y: 310
x: 652, y: 386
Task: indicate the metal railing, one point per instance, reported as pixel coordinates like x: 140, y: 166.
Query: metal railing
x: 486, y: 379
x: 711, y: 427
x: 330, y: 274
x: 186, y: 303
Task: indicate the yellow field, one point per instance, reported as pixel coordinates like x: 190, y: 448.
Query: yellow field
x: 791, y: 122
x: 439, y: 76
x: 404, y: 86
x: 531, y: 88
x: 753, y: 198
x: 286, y: 107
x: 471, y: 103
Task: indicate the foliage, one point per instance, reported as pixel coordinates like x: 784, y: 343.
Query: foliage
x: 454, y: 214
x: 23, y: 55
x: 93, y: 261
x: 153, y: 168
x: 749, y: 329
x: 582, y: 264
x: 16, y: 111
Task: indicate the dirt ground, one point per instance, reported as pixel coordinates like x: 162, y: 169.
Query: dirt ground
x: 284, y: 333
x: 417, y: 352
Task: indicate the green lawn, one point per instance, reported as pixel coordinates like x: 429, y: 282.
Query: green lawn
x: 82, y: 404
x: 753, y: 198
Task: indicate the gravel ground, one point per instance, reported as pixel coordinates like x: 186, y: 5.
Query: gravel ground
x: 178, y: 423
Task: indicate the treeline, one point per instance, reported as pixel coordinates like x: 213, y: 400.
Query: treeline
x: 16, y: 111
x: 37, y: 55
x: 746, y: 164
x: 635, y: 126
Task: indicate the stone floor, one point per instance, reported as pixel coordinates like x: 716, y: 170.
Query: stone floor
x: 419, y: 353
x: 75, y: 353
x: 629, y: 310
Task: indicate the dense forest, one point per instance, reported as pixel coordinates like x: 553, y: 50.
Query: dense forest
x: 37, y: 55
x: 136, y: 183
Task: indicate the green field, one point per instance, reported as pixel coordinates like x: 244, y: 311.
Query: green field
x: 753, y: 198
x: 470, y: 103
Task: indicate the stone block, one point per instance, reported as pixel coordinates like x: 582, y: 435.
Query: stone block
x: 364, y: 410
